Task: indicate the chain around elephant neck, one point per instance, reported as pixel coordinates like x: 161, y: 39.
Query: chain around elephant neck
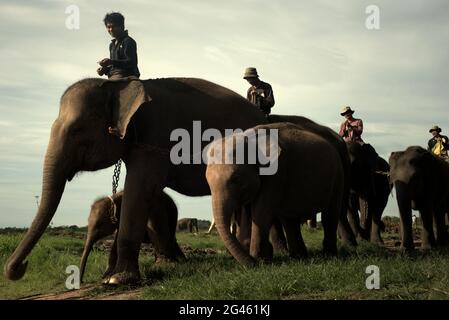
x: 116, y: 176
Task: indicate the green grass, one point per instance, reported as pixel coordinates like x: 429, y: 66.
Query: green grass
x: 213, y: 274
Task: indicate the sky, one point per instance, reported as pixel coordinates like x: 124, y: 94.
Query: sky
x: 318, y: 56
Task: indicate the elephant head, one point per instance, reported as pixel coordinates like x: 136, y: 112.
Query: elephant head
x: 103, y: 221
x: 79, y: 141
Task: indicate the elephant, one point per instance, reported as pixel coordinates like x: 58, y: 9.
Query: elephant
x: 370, y: 197
x: 187, y: 224
x: 369, y: 191
x: 309, y: 179
x: 421, y: 181
x: 345, y: 231
x: 155, y: 120
x: 104, y: 220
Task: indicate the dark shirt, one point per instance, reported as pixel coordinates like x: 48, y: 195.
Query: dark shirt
x: 261, y: 96
x: 123, y: 54
x: 440, y: 150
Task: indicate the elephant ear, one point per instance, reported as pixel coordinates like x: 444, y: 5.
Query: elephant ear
x: 127, y: 96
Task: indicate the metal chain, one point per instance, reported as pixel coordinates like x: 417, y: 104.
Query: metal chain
x: 116, y: 176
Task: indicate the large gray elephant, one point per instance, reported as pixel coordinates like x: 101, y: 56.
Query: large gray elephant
x: 104, y: 218
x: 421, y: 181
x: 145, y: 113
x: 309, y: 179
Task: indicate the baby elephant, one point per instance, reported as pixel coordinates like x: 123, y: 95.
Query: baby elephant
x: 104, y: 220
x: 309, y: 179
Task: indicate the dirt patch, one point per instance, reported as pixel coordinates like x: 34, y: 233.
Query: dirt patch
x: 88, y: 292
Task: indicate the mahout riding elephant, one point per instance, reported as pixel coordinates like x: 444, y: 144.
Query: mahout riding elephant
x: 187, y: 224
x: 309, y: 179
x: 104, y: 220
x: 421, y: 181
x: 150, y: 117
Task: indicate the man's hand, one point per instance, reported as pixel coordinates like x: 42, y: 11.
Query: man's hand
x: 101, y: 71
x: 105, y: 62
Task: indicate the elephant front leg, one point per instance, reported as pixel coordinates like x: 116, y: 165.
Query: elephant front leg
x: 427, y: 235
x: 405, y: 210
x: 440, y: 226
x: 142, y: 186
x: 112, y: 261
x: 277, y: 236
x: 262, y: 220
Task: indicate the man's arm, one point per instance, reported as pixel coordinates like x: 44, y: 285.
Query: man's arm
x: 445, y: 141
x: 358, y: 129
x: 130, y: 52
x: 342, y: 132
x: 268, y: 102
x: 430, y: 145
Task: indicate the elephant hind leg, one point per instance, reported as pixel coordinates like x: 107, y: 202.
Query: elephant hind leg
x: 329, y: 219
x: 296, y: 246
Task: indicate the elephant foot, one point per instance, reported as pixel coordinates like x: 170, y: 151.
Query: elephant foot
x: 124, y: 278
x: 108, y: 273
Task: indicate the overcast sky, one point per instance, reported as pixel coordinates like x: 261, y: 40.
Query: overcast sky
x: 317, y: 55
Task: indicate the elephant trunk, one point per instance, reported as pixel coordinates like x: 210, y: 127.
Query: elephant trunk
x: 53, y: 185
x: 223, y: 209
x: 90, y: 241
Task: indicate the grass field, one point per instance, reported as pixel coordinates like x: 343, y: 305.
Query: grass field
x: 210, y: 273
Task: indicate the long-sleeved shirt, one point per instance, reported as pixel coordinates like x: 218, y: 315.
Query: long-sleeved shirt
x: 261, y: 96
x: 439, y: 146
x: 123, y: 53
x: 351, y: 131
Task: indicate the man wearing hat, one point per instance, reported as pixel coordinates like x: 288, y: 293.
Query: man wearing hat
x: 260, y: 93
x: 351, y: 129
x: 439, y: 144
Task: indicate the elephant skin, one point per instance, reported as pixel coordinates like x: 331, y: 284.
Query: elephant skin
x: 187, y: 224
x: 104, y: 220
x: 145, y: 113
x: 309, y: 179
x: 421, y: 181
x: 345, y: 231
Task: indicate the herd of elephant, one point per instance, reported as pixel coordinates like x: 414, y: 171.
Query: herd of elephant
x: 317, y: 173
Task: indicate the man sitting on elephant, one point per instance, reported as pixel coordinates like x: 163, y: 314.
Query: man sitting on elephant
x: 439, y: 144
x: 122, y: 61
x: 260, y: 93
x: 351, y: 129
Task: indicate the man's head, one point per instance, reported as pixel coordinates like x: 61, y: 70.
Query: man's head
x: 347, y: 112
x: 115, y: 23
x: 435, y: 131
x: 251, y: 76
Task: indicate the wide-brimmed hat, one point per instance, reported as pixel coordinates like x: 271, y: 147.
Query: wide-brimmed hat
x: 346, y: 110
x: 435, y: 128
x: 250, y: 73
